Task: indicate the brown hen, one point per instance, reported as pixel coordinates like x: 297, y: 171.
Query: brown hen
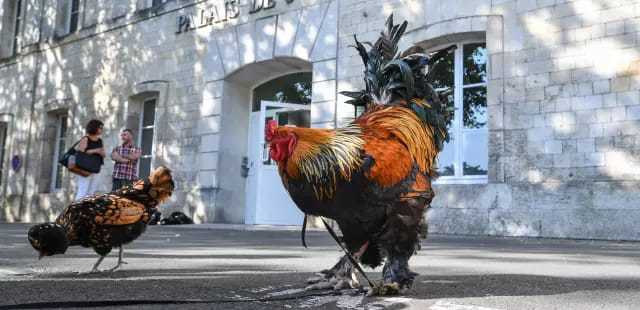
x: 105, y: 221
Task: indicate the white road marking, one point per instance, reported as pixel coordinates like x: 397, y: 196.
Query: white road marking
x: 444, y: 305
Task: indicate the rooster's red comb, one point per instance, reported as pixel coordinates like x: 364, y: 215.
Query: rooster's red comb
x: 270, y: 129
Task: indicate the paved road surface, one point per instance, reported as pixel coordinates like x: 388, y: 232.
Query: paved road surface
x: 265, y: 269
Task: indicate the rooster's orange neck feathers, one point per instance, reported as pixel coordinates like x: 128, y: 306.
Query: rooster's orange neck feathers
x: 320, y: 156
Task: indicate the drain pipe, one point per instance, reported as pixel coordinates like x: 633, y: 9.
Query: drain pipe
x: 25, y: 214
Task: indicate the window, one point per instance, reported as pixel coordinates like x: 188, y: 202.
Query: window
x: 291, y: 88
x: 463, y: 75
x: 11, y: 20
x: 147, y: 129
x: 4, y: 126
x: 68, y: 17
x: 73, y: 16
x: 60, y: 149
x: 149, y: 5
x: 16, y: 29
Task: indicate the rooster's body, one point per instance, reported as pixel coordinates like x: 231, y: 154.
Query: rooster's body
x: 104, y: 221
x: 374, y: 176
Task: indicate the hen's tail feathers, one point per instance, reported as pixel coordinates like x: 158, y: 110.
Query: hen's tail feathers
x: 402, y: 79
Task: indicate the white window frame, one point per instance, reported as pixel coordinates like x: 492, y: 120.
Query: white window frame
x: 153, y: 138
x: 67, y: 22
x: 56, y: 151
x: 458, y: 126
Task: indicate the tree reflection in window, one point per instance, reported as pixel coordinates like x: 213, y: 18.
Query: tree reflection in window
x: 292, y: 88
x: 463, y: 74
x: 475, y: 63
x: 475, y: 107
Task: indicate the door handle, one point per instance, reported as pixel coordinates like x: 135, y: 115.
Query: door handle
x: 244, y: 167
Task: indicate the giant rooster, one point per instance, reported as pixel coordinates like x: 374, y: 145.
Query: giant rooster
x: 373, y: 177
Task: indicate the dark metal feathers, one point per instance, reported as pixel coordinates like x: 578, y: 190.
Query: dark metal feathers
x: 393, y: 78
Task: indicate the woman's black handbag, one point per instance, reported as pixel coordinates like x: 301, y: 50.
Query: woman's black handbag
x: 82, y: 160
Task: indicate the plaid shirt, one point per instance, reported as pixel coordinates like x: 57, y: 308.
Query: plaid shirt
x: 126, y: 171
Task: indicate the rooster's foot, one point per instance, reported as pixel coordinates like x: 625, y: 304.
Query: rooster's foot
x: 335, y: 282
x: 386, y: 289
x: 339, y: 277
x: 397, y: 277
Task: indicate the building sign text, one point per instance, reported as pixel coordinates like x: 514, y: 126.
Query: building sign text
x: 219, y: 13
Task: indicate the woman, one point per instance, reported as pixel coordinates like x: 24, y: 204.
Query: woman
x: 92, y: 145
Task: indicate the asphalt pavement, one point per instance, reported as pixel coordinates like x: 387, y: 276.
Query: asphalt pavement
x: 232, y: 267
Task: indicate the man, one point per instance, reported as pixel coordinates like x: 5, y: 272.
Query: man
x: 125, y: 169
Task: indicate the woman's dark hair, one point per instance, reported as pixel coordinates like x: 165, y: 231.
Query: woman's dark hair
x: 93, y: 126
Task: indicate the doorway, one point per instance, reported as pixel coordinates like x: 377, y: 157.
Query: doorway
x: 267, y: 201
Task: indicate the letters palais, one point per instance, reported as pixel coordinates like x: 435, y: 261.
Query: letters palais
x: 220, y: 13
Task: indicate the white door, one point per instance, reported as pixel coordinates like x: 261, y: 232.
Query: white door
x: 267, y: 200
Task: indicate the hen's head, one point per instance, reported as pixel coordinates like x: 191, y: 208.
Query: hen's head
x: 160, y: 184
x: 282, y: 141
x: 48, y: 239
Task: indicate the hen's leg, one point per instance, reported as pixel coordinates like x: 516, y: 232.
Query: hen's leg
x: 120, y: 261
x: 341, y: 276
x: 95, y: 267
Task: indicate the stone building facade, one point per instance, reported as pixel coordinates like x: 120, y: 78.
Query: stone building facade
x: 546, y: 134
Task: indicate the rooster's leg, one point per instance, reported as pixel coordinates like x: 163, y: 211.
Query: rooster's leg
x: 120, y: 261
x: 341, y: 276
x: 400, y: 241
x: 95, y: 267
x: 396, y: 275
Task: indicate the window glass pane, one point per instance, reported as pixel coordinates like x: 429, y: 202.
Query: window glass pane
x: 475, y: 152
x: 75, y: 6
x: 443, y: 72
x: 61, y: 148
x: 446, y: 159
x: 62, y: 145
x: 16, y: 28
x: 149, y: 113
x: 292, y: 88
x: 147, y: 141
x: 63, y: 127
x: 475, y: 107
x: 73, y: 24
x: 58, y: 176
x: 3, y: 143
x: 475, y: 63
x: 145, y: 167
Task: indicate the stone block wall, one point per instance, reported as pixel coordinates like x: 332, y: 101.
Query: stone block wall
x: 563, y: 102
